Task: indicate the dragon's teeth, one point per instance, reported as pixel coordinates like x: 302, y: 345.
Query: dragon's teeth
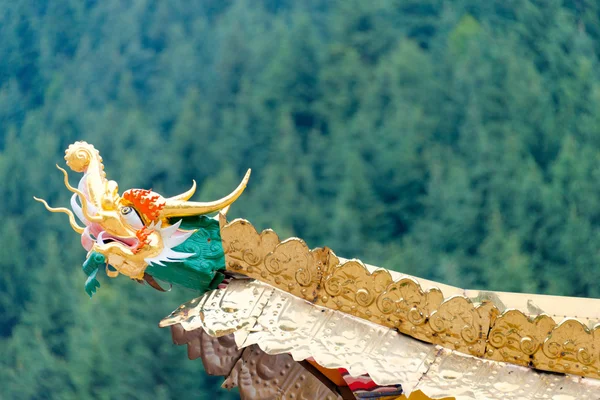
x: 99, y: 239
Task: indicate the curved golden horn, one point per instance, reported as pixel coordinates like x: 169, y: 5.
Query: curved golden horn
x: 185, y: 195
x: 84, y: 204
x: 179, y: 208
x: 72, y: 221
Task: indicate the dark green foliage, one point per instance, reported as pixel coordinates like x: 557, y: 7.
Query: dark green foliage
x: 457, y: 141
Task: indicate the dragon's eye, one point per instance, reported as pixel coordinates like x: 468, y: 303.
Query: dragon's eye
x: 131, y: 217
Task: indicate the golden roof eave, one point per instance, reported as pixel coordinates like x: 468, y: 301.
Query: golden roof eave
x: 558, y: 334
x: 279, y: 323
x: 584, y: 310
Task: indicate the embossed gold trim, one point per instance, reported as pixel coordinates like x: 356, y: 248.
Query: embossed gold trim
x: 470, y: 322
x: 277, y: 322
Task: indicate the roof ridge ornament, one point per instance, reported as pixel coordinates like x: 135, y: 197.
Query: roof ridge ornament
x: 148, y: 237
x: 132, y: 231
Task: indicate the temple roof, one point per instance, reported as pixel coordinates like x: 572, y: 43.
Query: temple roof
x: 252, y: 314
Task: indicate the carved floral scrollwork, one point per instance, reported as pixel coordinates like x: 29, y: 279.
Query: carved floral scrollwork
x: 455, y: 323
x: 459, y: 325
x: 289, y: 265
x: 292, y: 267
x: 245, y: 249
x: 351, y: 288
x: 407, y: 307
x: 515, y: 337
x: 291, y: 259
x: 571, y: 348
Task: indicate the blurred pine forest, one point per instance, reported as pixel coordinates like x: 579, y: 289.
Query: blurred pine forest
x: 453, y: 140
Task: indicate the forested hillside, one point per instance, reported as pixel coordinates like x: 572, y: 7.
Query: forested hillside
x: 453, y: 140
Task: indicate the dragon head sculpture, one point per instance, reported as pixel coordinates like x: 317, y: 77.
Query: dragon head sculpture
x: 140, y: 233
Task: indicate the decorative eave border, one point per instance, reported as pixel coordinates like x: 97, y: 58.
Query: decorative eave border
x: 261, y: 316
x: 257, y: 375
x: 457, y: 323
